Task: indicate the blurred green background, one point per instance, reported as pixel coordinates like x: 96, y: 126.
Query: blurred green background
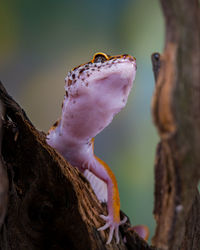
x: 42, y: 40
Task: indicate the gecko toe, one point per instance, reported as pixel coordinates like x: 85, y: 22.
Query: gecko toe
x: 104, y: 217
x: 107, y: 225
x: 112, y: 228
x: 117, y: 235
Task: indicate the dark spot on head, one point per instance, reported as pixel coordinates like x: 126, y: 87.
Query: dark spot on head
x: 69, y: 82
x: 56, y: 123
x: 73, y: 76
x: 86, y: 84
x: 93, y: 69
x: 83, y: 79
x: 81, y: 71
x: 66, y: 94
x: 88, y: 74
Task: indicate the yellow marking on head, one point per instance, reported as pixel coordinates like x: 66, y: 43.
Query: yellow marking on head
x: 115, y: 191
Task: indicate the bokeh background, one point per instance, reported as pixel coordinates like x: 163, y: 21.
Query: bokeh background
x: 42, y: 40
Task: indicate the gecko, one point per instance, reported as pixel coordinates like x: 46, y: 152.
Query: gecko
x: 94, y: 93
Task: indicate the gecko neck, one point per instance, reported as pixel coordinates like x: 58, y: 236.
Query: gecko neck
x: 77, y: 152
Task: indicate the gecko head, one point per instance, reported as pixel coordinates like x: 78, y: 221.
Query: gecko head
x: 105, y: 80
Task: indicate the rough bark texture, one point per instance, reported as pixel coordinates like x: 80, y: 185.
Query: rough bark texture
x: 51, y: 205
x: 176, y: 112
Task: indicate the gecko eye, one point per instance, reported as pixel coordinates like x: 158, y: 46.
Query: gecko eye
x: 100, y: 57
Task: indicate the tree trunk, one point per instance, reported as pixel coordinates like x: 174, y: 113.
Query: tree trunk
x: 176, y: 112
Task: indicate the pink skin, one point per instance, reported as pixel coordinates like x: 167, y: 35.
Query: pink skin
x: 95, y: 92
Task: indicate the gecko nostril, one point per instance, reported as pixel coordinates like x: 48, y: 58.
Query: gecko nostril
x: 69, y: 82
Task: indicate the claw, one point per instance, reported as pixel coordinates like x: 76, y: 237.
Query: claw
x: 113, y: 226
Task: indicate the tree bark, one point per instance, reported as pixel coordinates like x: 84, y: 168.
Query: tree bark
x: 176, y: 113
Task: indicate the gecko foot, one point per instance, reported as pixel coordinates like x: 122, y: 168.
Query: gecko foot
x: 113, y: 226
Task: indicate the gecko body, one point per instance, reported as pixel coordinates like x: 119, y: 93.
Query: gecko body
x: 95, y: 92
